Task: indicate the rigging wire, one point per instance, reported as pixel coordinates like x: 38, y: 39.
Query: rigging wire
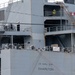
x: 15, y: 23
x: 24, y: 13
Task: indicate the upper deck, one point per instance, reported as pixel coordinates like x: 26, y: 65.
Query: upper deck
x: 55, y: 30
x: 16, y: 29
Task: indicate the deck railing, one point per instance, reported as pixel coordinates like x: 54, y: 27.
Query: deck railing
x: 3, y: 5
x: 59, y: 28
x: 17, y: 46
x: 15, y: 27
x: 49, y: 13
x: 61, y: 49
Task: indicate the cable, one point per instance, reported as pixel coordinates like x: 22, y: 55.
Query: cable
x: 21, y: 23
x: 53, y: 25
x: 3, y: 4
x: 25, y: 13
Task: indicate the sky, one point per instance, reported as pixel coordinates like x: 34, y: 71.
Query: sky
x: 3, y: 1
x: 55, y: 0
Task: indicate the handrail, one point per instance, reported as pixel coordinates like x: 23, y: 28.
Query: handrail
x: 49, y: 13
x: 14, y: 28
x: 61, y: 49
x: 17, y: 46
x: 11, y: 27
x: 13, y: 46
x: 3, y: 5
x: 59, y: 28
x: 71, y: 18
x: 11, y: 1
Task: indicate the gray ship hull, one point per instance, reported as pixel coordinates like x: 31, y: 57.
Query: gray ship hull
x: 29, y: 62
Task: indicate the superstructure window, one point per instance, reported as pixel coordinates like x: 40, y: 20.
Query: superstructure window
x: 53, y: 10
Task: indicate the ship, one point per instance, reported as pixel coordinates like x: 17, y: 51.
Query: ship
x: 37, y: 37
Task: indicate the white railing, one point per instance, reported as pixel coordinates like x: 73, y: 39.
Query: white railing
x: 3, y: 5
x: 12, y: 1
x: 13, y: 27
x: 61, y: 49
x: 13, y: 46
x: 27, y: 29
x: 59, y: 28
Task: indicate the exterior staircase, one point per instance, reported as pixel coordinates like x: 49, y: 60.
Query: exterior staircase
x: 70, y: 17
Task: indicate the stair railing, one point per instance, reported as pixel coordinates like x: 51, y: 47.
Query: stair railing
x: 71, y: 18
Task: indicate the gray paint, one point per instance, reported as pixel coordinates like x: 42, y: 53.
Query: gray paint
x: 21, y: 62
x: 38, y: 43
x: 2, y: 16
x: 66, y: 40
x: 18, y: 12
x: 37, y: 19
x: 26, y: 12
x: 69, y: 1
x: 27, y: 42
